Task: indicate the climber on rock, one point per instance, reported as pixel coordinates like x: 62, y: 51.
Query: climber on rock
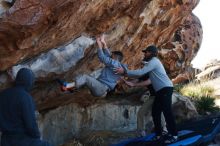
x: 17, y: 113
x: 107, y: 80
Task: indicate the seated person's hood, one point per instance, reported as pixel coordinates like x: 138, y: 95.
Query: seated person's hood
x: 25, y: 78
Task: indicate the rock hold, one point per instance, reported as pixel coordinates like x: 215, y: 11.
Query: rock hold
x: 58, y: 60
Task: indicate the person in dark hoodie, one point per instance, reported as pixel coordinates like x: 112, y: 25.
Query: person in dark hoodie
x: 17, y: 113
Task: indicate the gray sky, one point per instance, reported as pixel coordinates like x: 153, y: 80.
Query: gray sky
x: 208, y: 12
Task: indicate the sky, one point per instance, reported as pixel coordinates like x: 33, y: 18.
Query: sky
x: 208, y: 12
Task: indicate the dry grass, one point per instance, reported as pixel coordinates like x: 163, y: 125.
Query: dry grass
x: 196, y: 90
x: 202, y: 95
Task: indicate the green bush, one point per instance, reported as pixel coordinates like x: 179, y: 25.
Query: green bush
x: 202, y: 95
x: 206, y: 104
x: 178, y: 87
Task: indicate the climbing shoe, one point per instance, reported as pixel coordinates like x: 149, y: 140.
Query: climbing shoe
x: 63, y: 86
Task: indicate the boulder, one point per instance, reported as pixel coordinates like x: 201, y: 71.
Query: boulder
x: 81, y: 121
x: 56, y: 38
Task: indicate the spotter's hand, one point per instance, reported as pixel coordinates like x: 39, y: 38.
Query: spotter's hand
x: 119, y: 70
x: 130, y: 83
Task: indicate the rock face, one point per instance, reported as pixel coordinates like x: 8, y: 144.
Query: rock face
x: 211, y: 71
x: 210, y: 76
x: 66, y: 122
x: 55, y: 38
x: 31, y: 27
